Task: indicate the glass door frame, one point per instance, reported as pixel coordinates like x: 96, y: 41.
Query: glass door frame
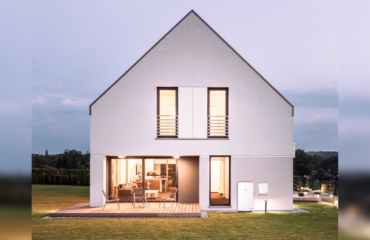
x: 109, y: 170
x: 210, y: 160
x: 226, y: 89
x: 177, y: 109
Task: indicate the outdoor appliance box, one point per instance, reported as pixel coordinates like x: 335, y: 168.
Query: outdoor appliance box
x: 245, y: 196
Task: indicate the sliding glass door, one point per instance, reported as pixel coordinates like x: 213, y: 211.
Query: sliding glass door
x: 155, y: 175
x: 160, y: 177
x: 122, y: 176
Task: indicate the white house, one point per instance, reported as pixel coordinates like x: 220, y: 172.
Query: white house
x: 192, y: 114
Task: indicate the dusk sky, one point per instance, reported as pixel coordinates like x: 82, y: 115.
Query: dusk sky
x: 79, y: 48
x: 59, y: 56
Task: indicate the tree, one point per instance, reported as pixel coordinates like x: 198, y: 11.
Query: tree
x: 37, y: 159
x: 302, y: 164
x: 316, y: 161
x: 70, y: 159
x: 321, y: 173
x: 62, y: 160
x: 328, y: 163
x: 334, y: 172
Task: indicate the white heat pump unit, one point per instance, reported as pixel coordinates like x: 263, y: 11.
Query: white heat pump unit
x: 245, y: 196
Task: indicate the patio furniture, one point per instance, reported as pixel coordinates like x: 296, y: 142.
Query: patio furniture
x: 110, y: 201
x: 138, y: 193
x: 125, y: 194
x: 168, y: 197
x: 152, y: 193
x: 140, y: 184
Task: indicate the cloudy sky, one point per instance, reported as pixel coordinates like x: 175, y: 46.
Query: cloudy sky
x: 79, y: 48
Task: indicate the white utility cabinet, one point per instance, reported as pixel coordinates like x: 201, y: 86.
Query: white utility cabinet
x: 262, y: 188
x: 245, y: 196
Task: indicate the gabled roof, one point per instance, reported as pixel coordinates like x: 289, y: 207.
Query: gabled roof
x: 192, y: 11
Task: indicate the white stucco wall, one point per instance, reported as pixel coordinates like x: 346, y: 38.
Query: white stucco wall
x: 98, y: 176
x: 123, y: 120
x: 185, y: 105
x: 200, y: 112
x: 276, y: 171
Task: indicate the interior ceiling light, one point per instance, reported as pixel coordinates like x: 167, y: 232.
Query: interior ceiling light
x: 176, y: 156
x: 121, y: 156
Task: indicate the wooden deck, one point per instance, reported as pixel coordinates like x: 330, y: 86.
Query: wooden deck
x: 127, y: 210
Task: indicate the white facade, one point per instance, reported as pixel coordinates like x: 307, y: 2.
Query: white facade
x: 193, y: 58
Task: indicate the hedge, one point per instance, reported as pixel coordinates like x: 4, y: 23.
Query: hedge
x: 79, y: 177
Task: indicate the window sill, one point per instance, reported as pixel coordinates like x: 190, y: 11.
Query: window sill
x: 192, y: 138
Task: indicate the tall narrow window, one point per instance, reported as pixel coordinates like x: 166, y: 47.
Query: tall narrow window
x: 219, y: 181
x: 167, y: 115
x: 218, y: 120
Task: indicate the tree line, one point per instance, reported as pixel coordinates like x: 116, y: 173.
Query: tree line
x: 69, y: 159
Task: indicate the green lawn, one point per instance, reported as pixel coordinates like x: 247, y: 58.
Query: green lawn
x: 321, y: 223
x: 329, y: 200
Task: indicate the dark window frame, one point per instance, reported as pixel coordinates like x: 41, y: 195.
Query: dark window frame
x: 227, y: 110
x: 177, y: 110
x: 210, y: 159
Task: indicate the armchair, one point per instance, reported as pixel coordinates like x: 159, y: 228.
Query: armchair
x: 138, y: 193
x: 109, y: 201
x: 168, y: 197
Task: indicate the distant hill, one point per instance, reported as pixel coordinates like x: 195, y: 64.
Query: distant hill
x: 325, y: 154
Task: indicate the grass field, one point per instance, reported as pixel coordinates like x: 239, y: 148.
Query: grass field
x: 321, y: 223
x: 329, y: 200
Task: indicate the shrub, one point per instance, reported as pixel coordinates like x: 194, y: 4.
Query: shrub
x: 301, y: 194
x: 61, y: 176
x: 74, y: 180
x: 34, y: 179
x: 82, y: 180
x: 317, y: 192
x: 66, y: 180
x: 304, y: 189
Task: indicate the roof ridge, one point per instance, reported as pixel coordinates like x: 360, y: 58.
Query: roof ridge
x: 192, y: 11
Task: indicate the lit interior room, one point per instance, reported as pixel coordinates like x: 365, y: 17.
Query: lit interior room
x: 127, y: 174
x: 167, y: 112
x: 217, y: 112
x: 220, y: 179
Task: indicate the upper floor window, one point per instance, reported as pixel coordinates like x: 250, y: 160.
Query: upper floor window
x: 218, y: 120
x: 167, y: 116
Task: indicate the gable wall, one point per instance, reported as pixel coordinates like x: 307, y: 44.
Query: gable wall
x: 123, y: 120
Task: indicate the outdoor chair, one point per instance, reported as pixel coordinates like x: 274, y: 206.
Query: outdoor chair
x: 138, y: 193
x: 168, y: 197
x: 110, y: 201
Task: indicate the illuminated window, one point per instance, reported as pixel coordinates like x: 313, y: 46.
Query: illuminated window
x: 218, y: 120
x: 167, y: 112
